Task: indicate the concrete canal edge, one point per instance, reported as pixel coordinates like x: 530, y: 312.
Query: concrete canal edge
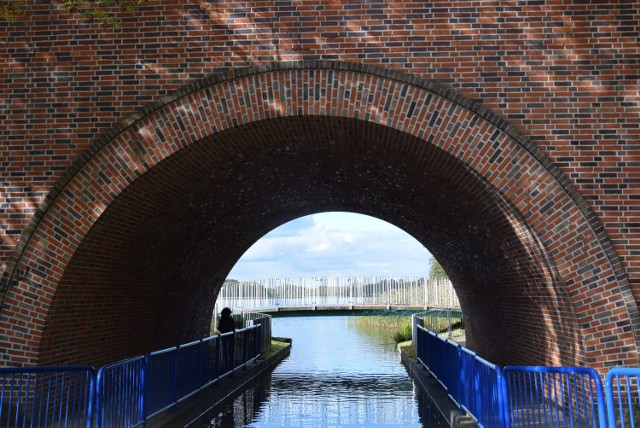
x: 216, y: 394
x: 441, y: 403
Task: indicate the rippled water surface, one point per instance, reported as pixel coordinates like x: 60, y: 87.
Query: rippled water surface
x: 338, y: 375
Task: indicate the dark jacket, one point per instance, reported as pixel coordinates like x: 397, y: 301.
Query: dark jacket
x: 226, y: 324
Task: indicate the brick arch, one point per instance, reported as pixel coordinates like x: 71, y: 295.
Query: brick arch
x: 522, y: 233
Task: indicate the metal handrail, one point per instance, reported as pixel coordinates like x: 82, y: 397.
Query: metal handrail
x: 210, y: 369
x: 473, y: 383
x: 567, y: 396
x: 44, y: 396
x: 490, y: 408
x: 572, y: 396
x: 551, y: 396
x: 623, y: 403
x: 188, y: 370
x: 120, y: 393
x: 124, y: 393
x: 161, y: 387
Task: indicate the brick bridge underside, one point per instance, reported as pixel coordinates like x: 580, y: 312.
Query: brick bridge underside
x: 139, y: 221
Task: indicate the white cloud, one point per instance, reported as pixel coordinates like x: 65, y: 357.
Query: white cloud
x: 333, y: 244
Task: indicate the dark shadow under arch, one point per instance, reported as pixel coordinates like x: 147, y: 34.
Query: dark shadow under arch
x: 167, y: 243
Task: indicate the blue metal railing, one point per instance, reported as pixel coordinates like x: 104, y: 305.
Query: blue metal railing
x: 188, y: 376
x: 129, y: 392
x: 441, y: 360
x: 555, y: 396
x: 210, y: 349
x: 120, y: 394
x: 482, y: 397
x: 227, y: 353
x: 162, y: 388
x: 474, y: 384
x: 428, y: 351
x: 623, y: 397
x: 240, y: 351
x: 175, y: 374
x: 454, y: 365
x: 264, y: 321
x: 125, y: 393
x: 529, y: 396
x: 47, y: 396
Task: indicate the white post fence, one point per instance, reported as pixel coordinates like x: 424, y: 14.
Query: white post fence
x: 336, y: 291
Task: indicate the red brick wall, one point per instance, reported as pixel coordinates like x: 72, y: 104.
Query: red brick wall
x: 538, y: 226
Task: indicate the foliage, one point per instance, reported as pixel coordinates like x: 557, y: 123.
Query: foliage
x: 9, y: 10
x: 436, y: 271
x: 98, y: 10
x: 404, y: 333
x: 398, y: 328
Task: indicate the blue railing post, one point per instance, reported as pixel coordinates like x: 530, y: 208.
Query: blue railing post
x: 232, y: 363
x: 92, y: 400
x: 257, y: 340
x: 506, y: 412
x: 453, y: 369
x: 175, y: 380
x: 460, y: 375
x: 503, y: 417
x: 143, y: 392
x: 98, y: 407
x: 245, y: 347
x: 216, y: 356
x: 620, y: 402
x: 199, y: 367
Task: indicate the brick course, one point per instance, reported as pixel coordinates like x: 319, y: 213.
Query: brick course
x: 518, y: 120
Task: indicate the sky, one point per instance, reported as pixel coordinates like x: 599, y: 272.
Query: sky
x: 333, y: 244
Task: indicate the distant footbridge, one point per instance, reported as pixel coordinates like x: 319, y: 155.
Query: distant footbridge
x: 354, y: 295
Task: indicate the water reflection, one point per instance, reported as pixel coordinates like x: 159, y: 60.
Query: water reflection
x: 336, y: 376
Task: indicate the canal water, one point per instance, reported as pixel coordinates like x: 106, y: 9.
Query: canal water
x: 339, y: 374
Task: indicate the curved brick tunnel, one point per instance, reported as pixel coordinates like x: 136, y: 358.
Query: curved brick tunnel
x: 502, y: 136
x: 152, y: 265
x: 133, y: 246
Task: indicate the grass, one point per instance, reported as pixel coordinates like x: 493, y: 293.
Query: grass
x: 277, y: 344
x: 403, y: 333
x: 397, y: 328
x: 408, y: 349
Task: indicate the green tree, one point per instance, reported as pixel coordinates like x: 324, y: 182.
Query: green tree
x: 435, y: 270
x: 99, y: 10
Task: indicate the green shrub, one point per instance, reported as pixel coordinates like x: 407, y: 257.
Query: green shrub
x: 404, y: 333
